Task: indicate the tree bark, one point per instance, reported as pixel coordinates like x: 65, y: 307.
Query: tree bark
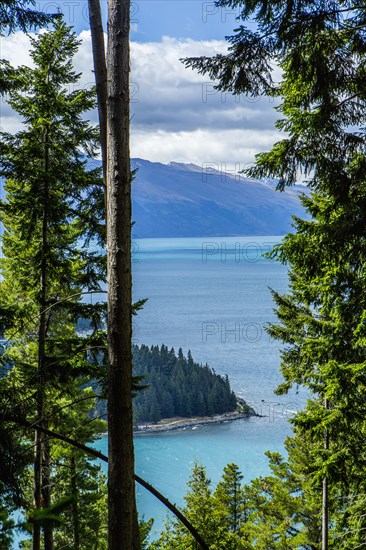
x: 100, y: 73
x: 75, y: 511
x: 121, y: 488
x: 42, y: 328
x: 325, y: 503
x: 46, y: 489
x: 37, y: 484
x: 38, y: 459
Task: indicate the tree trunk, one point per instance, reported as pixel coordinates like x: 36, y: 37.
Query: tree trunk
x: 100, y: 72
x: 75, y: 511
x: 325, y: 515
x: 42, y: 481
x: 325, y: 504
x: 38, y: 461
x: 46, y: 489
x: 39, y: 445
x: 37, y: 477
x: 121, y: 486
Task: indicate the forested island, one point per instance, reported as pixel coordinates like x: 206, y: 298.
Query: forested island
x: 172, y: 385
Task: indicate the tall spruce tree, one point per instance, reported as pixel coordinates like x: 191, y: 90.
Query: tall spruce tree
x: 53, y: 216
x: 14, y: 15
x: 230, y: 495
x: 322, y: 324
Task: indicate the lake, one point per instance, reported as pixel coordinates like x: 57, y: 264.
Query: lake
x: 211, y: 296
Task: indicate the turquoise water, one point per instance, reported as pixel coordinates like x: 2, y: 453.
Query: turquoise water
x: 211, y: 296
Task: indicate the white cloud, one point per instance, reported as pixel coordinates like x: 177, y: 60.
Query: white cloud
x: 176, y: 113
x: 202, y: 146
x: 15, y: 48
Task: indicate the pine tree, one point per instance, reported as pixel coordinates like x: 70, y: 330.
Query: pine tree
x: 199, y: 510
x: 230, y: 496
x: 53, y: 217
x: 322, y: 323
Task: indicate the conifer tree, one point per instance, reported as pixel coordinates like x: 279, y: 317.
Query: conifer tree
x: 53, y: 216
x: 320, y: 47
x: 322, y: 324
x: 23, y: 15
x: 199, y: 510
x: 230, y: 495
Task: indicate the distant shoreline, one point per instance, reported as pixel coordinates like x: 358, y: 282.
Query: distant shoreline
x: 172, y: 424
x: 180, y: 423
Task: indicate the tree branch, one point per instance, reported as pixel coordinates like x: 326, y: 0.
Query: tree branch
x: 97, y: 454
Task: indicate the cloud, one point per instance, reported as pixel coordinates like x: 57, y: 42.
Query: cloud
x: 15, y: 48
x: 176, y: 113
x: 233, y: 149
x: 170, y: 97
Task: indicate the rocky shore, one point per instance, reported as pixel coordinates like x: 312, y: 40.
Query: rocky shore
x: 171, y: 424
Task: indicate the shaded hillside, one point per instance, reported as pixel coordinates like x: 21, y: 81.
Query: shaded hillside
x: 183, y: 200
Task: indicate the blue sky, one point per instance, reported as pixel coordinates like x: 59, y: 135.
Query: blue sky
x: 176, y: 113
x: 195, y: 19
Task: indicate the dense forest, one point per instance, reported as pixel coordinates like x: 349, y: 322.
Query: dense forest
x: 178, y: 386
x: 174, y: 385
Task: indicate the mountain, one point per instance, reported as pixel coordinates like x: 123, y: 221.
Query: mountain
x: 183, y: 200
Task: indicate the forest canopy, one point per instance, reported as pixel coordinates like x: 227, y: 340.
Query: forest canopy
x: 177, y: 386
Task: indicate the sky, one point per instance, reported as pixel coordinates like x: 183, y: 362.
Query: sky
x: 176, y: 115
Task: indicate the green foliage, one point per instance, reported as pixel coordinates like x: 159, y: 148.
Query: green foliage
x: 54, y: 234
x: 322, y: 324
x: 320, y: 48
x: 278, y: 512
x: 21, y: 14
x: 177, y: 386
x: 174, y: 386
x: 230, y: 498
x: 6, y: 528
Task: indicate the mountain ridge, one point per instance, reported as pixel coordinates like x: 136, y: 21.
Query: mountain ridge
x: 186, y: 200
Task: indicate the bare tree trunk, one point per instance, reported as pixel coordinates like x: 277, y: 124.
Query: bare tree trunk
x: 46, y: 489
x: 75, y: 511
x: 121, y: 486
x: 100, y: 72
x: 325, y: 504
x: 42, y: 328
x: 37, y: 480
